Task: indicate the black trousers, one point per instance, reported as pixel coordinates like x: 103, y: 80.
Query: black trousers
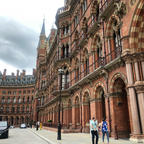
x: 94, y: 133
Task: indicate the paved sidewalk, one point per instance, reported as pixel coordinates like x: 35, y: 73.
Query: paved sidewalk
x: 73, y: 138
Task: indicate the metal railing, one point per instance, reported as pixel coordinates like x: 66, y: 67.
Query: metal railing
x: 100, y: 62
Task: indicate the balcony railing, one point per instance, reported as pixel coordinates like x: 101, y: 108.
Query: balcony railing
x: 100, y: 62
x: 62, y: 10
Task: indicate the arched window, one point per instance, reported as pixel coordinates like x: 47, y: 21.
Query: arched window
x: 64, y: 78
x: 7, y: 109
x: 13, y: 109
x: 23, y: 108
x: 3, y: 100
x: 84, y: 6
x: 76, y: 70
x: 23, y: 99
x: 9, y: 100
x: 67, y: 79
x: 67, y: 51
x: 117, y: 37
x: 27, y: 108
x: 14, y: 100
x: 18, y: 109
x: 62, y: 51
x: 28, y: 99
x: 19, y: 100
x: 86, y: 62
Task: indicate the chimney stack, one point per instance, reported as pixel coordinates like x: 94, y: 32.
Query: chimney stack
x: 12, y: 74
x: 34, y: 72
x: 17, y: 73
x: 4, y: 72
x: 24, y: 72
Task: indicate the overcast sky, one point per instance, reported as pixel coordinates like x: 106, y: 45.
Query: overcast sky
x: 20, y: 26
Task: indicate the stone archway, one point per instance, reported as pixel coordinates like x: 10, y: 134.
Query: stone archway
x: 86, y: 112
x: 100, y: 104
x: 136, y: 30
x: 121, y: 112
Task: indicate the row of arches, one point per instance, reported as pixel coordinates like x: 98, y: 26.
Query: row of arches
x: 16, y: 99
x: 16, y: 120
x: 77, y: 111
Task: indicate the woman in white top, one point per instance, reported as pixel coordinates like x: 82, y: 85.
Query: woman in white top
x: 94, y: 130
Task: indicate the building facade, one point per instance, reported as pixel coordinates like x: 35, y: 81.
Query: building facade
x: 99, y: 48
x: 17, y: 98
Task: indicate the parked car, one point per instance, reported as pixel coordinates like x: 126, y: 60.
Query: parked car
x: 4, y: 129
x: 11, y: 126
x: 23, y: 125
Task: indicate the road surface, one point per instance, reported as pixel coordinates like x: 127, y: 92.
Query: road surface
x: 22, y: 136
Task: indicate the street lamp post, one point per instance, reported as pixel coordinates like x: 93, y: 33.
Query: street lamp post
x: 60, y: 72
x: 37, y: 113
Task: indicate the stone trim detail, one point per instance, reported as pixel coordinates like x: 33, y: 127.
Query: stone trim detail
x: 136, y: 29
x: 117, y: 75
x: 99, y: 84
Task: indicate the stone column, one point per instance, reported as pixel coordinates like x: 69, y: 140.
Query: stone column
x: 137, y: 71
x: 74, y: 116
x: 140, y: 92
x: 139, y: 86
x: 133, y: 103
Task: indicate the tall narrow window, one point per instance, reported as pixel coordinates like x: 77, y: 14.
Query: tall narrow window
x: 84, y: 6
x: 67, y: 50
x: 8, y: 99
x: 67, y: 79
x: 87, y: 65
x: 14, y: 100
x: 3, y: 100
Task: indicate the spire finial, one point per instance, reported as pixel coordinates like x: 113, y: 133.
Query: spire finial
x: 43, y: 28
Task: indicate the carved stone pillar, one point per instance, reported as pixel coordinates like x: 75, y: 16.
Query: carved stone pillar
x: 133, y: 103
x: 137, y: 71
x: 140, y: 92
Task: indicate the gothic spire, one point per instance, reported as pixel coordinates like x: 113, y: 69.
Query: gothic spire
x: 43, y: 28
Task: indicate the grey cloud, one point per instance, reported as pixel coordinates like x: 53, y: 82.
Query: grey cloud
x: 17, y: 44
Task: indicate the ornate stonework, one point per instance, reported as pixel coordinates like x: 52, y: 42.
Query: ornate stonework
x: 139, y: 86
x: 132, y: 2
x: 120, y: 10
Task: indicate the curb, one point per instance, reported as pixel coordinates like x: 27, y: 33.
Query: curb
x: 42, y: 137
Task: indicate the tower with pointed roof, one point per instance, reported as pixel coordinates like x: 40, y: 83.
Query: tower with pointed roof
x: 41, y: 49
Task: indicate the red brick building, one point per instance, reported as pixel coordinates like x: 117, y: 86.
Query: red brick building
x: 16, y: 98
x: 99, y: 46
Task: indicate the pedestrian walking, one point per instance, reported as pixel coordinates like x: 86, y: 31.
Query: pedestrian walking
x: 40, y: 125
x: 37, y: 125
x: 94, y: 130
x: 104, y: 127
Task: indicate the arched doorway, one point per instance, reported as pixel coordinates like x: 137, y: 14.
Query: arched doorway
x: 86, y: 112
x: 100, y: 104
x: 122, y: 121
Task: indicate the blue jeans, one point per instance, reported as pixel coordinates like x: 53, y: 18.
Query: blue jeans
x: 94, y: 133
x: 103, y: 135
